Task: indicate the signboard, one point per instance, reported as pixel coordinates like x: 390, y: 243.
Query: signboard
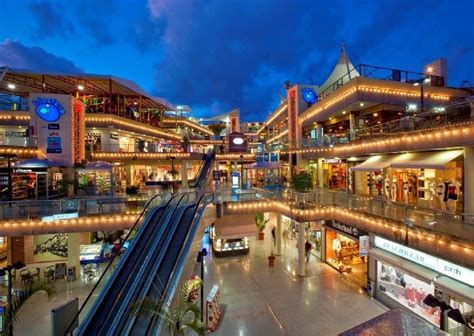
x: 53, y: 126
x: 216, y: 175
x: 274, y: 157
x: 235, y: 178
x: 447, y: 268
x: 48, y: 109
x: 259, y: 157
x: 332, y: 161
x: 266, y: 157
x: 292, y: 116
x: 345, y: 228
x: 63, y: 216
x: 237, y: 143
x: 114, y: 136
x: 364, y: 245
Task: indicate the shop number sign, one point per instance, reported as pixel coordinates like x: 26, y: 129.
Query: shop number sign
x: 442, y: 266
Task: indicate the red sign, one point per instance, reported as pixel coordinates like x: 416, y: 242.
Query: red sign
x: 292, y: 116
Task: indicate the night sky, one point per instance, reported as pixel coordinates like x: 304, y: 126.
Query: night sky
x: 215, y: 55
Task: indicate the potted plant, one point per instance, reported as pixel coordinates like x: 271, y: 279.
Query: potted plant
x: 271, y: 260
x: 301, y: 183
x: 260, y: 222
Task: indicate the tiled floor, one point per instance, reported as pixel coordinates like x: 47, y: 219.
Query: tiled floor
x: 258, y: 299
x: 261, y: 300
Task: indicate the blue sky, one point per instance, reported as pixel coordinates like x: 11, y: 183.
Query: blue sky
x: 215, y: 55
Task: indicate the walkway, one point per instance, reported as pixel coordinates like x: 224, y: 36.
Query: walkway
x: 260, y: 300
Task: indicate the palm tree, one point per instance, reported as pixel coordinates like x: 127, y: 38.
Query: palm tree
x: 12, y: 311
x: 178, y: 320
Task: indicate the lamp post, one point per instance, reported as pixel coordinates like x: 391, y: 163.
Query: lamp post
x: 421, y: 82
x: 8, y: 271
x: 200, y: 259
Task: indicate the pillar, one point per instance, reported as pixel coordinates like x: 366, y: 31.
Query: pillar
x: 469, y: 181
x: 320, y: 173
x: 184, y: 174
x: 70, y: 176
x: 301, y: 250
x: 352, y: 124
x: 279, y: 234
x: 73, y: 242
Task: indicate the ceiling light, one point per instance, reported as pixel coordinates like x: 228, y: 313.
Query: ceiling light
x: 416, y: 84
x: 361, y: 104
x: 344, y: 112
x: 80, y: 87
x: 427, y: 80
x: 11, y: 86
x: 376, y: 114
x: 429, y: 69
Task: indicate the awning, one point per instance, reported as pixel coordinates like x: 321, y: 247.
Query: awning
x: 375, y: 163
x: 425, y: 160
x: 37, y: 163
x: 235, y: 226
x: 417, y: 271
x: 457, y: 288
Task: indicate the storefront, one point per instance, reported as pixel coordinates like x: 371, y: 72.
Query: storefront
x: 31, y: 179
x: 314, y: 236
x: 422, y: 283
x: 96, y: 178
x: 230, y: 235
x: 346, y: 250
x: 150, y: 175
x: 265, y: 175
x: 335, y: 174
x: 428, y: 179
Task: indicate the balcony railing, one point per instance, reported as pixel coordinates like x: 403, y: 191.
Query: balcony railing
x: 408, y: 123
x: 459, y: 225
x: 19, y: 140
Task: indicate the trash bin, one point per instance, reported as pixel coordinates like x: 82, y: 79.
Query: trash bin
x: 71, y: 274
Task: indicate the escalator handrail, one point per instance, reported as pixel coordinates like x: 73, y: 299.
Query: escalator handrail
x: 184, y: 249
x: 207, y: 162
x: 145, y: 209
x: 127, y: 299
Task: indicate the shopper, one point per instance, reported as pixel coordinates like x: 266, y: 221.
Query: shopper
x: 273, y: 235
x: 307, y: 248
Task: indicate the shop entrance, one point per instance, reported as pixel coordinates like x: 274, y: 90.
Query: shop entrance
x: 343, y: 252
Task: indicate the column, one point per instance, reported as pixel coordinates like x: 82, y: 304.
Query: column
x: 279, y: 234
x: 352, y: 124
x: 73, y: 242
x: 320, y: 173
x: 301, y: 250
x: 469, y: 183
x: 184, y: 174
x: 70, y: 176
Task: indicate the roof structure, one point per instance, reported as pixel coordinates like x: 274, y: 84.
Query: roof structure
x: 27, y: 81
x: 343, y: 72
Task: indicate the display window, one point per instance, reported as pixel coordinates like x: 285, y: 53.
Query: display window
x: 334, y: 175
x: 454, y: 327
x: 95, y: 182
x: 407, y: 291
x: 343, y: 253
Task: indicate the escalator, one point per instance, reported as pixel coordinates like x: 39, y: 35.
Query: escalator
x: 148, y: 266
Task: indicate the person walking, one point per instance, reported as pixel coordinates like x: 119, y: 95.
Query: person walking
x: 273, y: 235
x: 307, y: 248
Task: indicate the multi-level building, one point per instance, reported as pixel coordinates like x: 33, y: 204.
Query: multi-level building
x: 392, y: 151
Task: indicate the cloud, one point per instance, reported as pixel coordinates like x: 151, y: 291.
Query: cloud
x: 239, y: 53
x: 49, y: 21
x: 16, y: 55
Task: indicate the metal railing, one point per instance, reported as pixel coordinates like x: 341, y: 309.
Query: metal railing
x: 19, y: 140
x: 404, y: 124
x: 32, y: 209
x: 460, y: 225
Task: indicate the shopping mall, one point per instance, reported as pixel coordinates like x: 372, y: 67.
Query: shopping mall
x: 367, y: 178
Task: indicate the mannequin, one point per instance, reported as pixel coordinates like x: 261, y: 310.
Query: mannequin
x: 394, y: 188
x: 406, y: 190
x: 336, y: 247
x: 387, y: 187
x: 430, y: 191
x: 452, y: 191
x: 440, y: 193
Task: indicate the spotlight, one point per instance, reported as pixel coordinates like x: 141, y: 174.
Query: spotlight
x: 11, y: 86
x: 80, y: 87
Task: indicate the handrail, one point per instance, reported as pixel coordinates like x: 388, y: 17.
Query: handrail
x: 180, y: 261
x: 76, y: 317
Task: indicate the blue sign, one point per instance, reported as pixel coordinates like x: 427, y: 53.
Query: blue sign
x: 274, y: 157
x: 48, y: 109
x: 309, y: 95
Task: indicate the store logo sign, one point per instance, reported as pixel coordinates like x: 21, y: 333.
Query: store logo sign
x: 350, y: 230
x: 447, y: 268
x: 64, y: 216
x: 48, y: 109
x: 238, y: 141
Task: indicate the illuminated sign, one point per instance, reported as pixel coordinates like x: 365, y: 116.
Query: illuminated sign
x: 309, y: 95
x: 292, y: 117
x: 442, y: 266
x: 63, y: 216
x: 238, y: 141
x: 48, y: 109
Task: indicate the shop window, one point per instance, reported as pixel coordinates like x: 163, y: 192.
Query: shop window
x: 407, y: 291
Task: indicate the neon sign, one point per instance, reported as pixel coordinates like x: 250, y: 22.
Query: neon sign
x: 48, y: 109
x: 309, y: 95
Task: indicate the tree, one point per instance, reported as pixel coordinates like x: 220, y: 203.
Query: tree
x: 217, y: 128
x: 12, y: 312
x: 260, y: 221
x: 301, y: 182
